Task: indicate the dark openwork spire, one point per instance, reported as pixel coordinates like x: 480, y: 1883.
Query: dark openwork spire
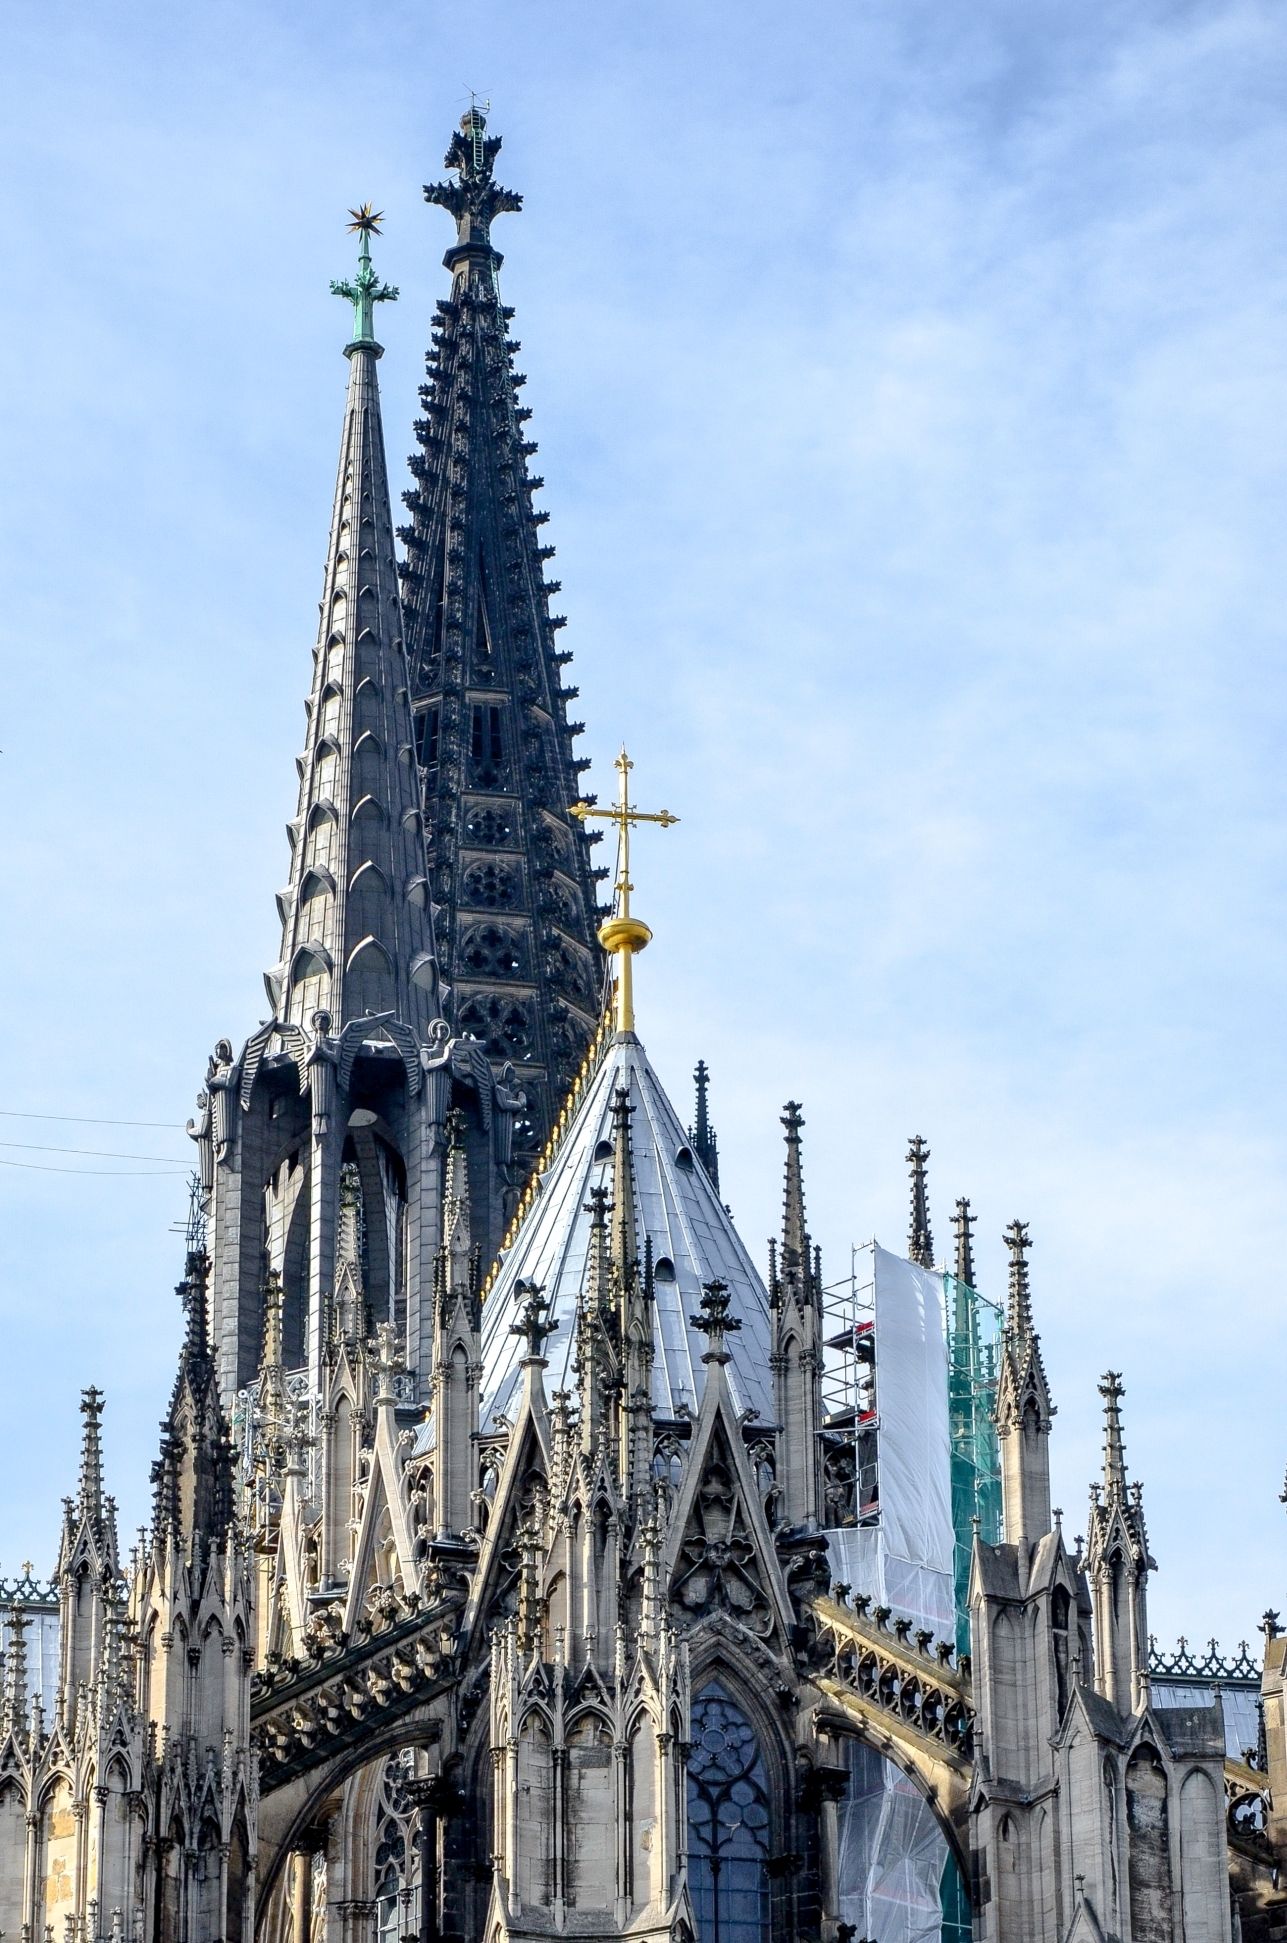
x: 920, y: 1242
x: 963, y: 1228
x: 510, y: 870
x: 702, y: 1133
x: 357, y: 934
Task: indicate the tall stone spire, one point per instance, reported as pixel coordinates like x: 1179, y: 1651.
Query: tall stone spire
x: 510, y: 871
x: 920, y: 1241
x: 357, y: 934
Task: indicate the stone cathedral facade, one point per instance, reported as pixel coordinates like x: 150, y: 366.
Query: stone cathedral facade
x: 493, y: 1585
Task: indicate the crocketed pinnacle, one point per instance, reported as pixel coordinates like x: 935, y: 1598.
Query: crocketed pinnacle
x: 625, y: 1233
x: 192, y: 1477
x: 1019, y: 1298
x: 357, y: 933
x: 516, y: 911
x: 795, y: 1233
x: 1022, y: 1384
x: 1116, y: 1507
x: 89, y: 1502
x: 963, y: 1228
x: 702, y: 1133
x: 920, y: 1241
x: 1112, y: 1389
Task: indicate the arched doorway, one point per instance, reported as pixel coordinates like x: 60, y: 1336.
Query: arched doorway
x: 729, y: 1834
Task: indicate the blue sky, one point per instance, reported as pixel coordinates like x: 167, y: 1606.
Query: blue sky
x: 910, y: 382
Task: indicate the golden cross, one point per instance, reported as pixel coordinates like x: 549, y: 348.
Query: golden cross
x: 622, y: 934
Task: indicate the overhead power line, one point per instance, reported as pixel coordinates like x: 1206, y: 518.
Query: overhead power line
x: 109, y: 1173
x: 93, y: 1153
x: 86, y: 1120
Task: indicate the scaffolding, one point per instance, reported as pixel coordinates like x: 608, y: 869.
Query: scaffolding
x: 850, y: 1421
x: 973, y: 1338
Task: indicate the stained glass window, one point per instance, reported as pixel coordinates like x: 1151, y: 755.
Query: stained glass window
x: 728, y: 1823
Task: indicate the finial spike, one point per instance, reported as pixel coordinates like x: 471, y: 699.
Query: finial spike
x: 366, y: 290
x: 714, y: 1321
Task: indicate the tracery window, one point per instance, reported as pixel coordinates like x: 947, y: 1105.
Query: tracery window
x: 490, y: 826
x: 492, y: 951
x: 493, y: 886
x: 728, y: 1823
x: 503, y: 1026
x: 396, y: 1899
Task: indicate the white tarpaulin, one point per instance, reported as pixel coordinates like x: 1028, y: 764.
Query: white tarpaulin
x: 906, y: 1561
x: 892, y: 1851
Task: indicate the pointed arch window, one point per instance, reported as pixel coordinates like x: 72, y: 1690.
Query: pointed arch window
x: 729, y: 1833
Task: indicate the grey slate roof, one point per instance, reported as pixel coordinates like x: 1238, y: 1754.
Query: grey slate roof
x: 693, y: 1241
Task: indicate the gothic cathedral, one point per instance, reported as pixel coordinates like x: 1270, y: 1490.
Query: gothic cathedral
x: 524, y: 1562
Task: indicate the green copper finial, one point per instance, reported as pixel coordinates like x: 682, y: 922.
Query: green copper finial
x: 366, y: 290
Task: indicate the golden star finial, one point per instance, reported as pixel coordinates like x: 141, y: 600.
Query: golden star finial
x: 366, y: 219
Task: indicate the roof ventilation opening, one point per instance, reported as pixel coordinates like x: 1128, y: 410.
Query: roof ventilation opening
x: 603, y: 1151
x: 663, y: 1269
x: 684, y: 1158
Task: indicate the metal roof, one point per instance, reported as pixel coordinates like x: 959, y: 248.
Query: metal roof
x: 693, y: 1241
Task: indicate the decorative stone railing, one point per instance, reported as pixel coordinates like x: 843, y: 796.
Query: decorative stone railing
x: 895, y: 1671
x: 304, y: 1710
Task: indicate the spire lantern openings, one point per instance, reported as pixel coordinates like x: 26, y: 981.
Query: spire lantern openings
x: 366, y: 290
x: 474, y: 199
x: 623, y: 934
